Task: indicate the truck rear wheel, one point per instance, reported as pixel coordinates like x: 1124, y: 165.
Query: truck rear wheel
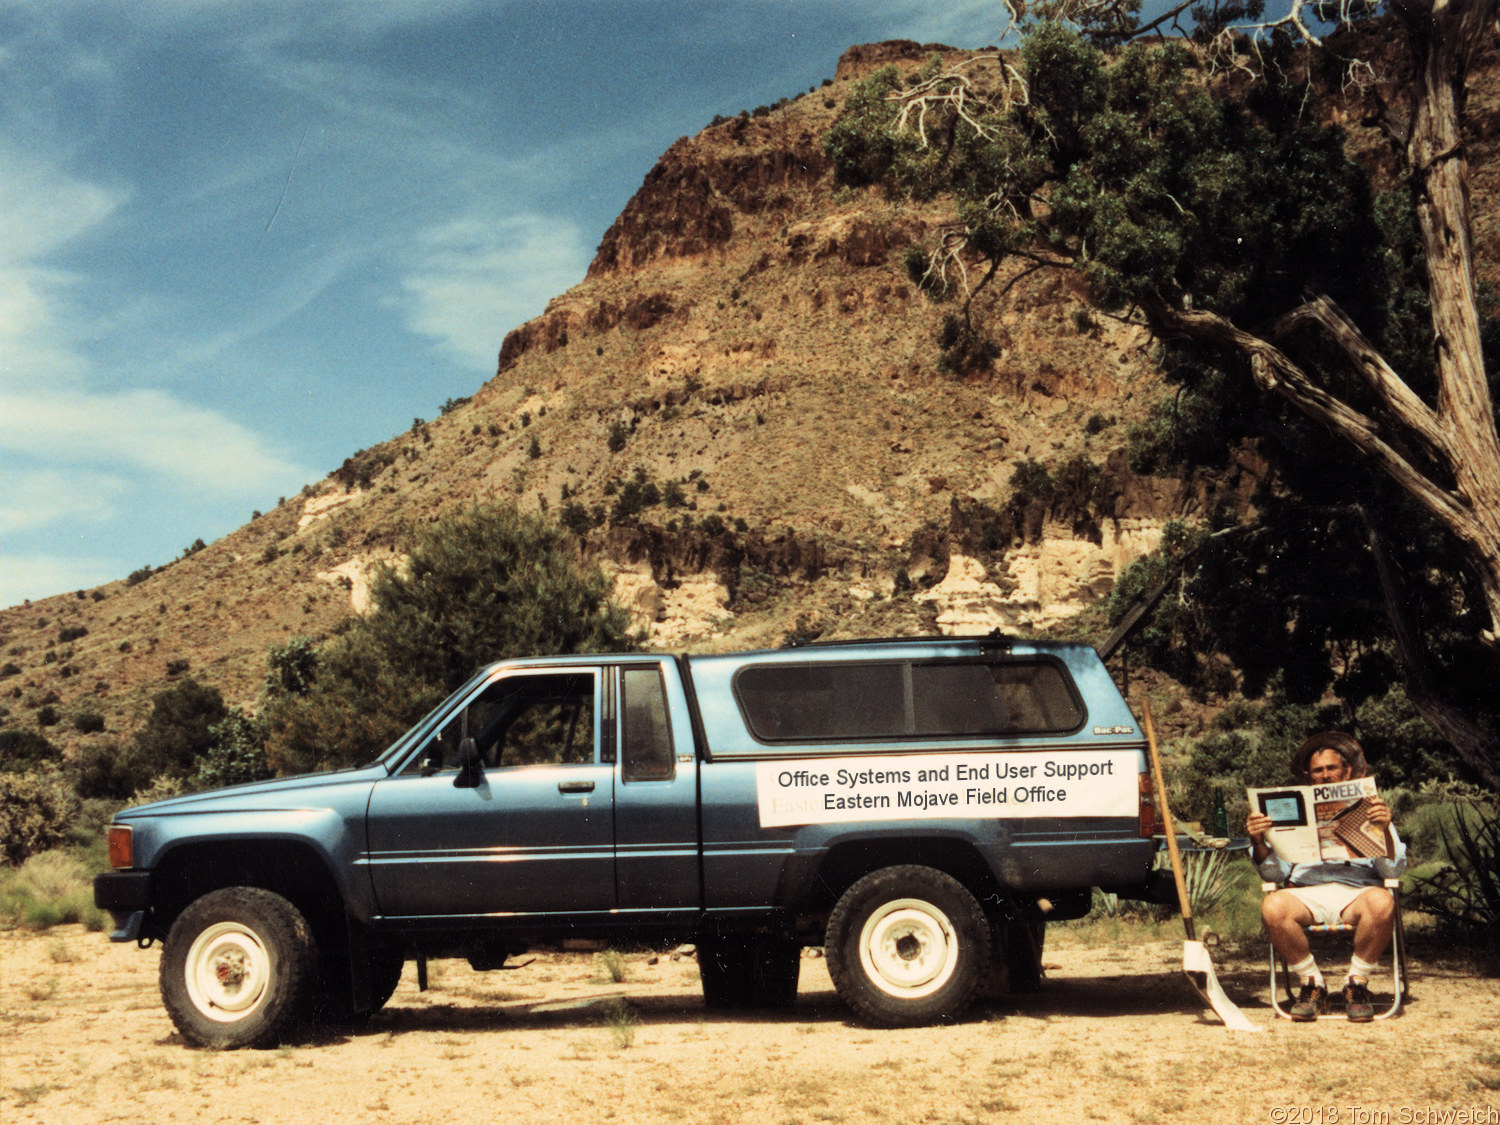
x: 236, y: 966
x: 749, y: 971
x: 907, y: 946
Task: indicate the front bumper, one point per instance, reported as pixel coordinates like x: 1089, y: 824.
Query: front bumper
x: 126, y: 895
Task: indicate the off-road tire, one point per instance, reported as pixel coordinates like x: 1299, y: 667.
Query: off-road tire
x: 749, y: 971
x: 237, y: 966
x: 907, y: 946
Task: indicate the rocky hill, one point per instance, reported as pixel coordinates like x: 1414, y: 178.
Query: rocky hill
x: 743, y: 413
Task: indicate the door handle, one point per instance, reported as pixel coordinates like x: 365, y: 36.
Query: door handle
x: 575, y: 786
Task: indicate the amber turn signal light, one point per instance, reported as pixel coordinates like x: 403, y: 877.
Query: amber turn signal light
x: 121, y: 845
x: 1148, y: 818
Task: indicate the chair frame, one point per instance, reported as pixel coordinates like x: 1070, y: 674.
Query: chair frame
x: 1280, y: 970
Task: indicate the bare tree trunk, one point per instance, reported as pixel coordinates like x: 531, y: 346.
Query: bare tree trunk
x: 1444, y: 34
x: 1475, y: 744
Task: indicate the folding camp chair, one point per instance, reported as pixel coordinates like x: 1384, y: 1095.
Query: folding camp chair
x: 1398, y: 961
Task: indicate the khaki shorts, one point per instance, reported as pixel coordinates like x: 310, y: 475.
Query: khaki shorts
x: 1327, y: 901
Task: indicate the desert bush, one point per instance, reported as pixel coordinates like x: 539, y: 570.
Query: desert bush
x: 963, y: 348
x: 576, y: 518
x: 23, y: 750
x: 237, y: 754
x: 292, y: 667
x: 35, y: 808
x: 162, y: 788
x: 178, y: 730
x: 177, y: 733
x: 88, y: 722
x: 615, y: 965
x: 635, y: 496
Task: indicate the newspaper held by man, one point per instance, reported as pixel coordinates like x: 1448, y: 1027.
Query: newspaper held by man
x: 1325, y: 823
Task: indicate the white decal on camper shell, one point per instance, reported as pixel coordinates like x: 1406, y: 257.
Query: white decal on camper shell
x: 931, y: 786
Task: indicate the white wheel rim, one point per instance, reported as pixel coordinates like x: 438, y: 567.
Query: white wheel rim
x: 228, y: 972
x: 908, y: 948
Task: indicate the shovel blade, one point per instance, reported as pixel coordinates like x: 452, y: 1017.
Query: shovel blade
x: 1199, y: 968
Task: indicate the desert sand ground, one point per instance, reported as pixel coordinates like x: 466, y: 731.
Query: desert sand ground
x: 1116, y: 1035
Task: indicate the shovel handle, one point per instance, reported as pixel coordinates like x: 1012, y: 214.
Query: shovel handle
x: 1166, y: 818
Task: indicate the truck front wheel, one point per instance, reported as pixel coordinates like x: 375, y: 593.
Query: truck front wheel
x: 907, y: 946
x: 236, y: 966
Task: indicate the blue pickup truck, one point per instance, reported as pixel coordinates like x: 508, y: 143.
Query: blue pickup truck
x: 919, y: 808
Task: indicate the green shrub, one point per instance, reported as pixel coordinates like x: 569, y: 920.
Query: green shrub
x: 237, y: 755
x: 23, y: 750
x: 861, y: 145
x: 292, y: 667
x: 88, y: 722
x: 178, y: 732
x: 962, y: 348
x: 576, y: 518
x: 35, y: 809
x: 102, y: 773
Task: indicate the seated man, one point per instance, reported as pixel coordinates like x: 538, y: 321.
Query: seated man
x: 1330, y: 893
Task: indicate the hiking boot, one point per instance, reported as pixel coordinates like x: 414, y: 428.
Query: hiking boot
x: 1357, y: 1004
x: 1312, y: 1001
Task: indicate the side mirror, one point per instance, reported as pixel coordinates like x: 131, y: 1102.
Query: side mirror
x: 470, y: 767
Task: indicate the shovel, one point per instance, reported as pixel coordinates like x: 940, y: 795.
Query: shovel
x: 1196, y: 962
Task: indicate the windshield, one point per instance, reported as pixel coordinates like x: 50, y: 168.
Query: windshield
x: 429, y: 721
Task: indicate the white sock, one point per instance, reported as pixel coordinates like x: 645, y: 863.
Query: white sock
x: 1308, y: 972
x: 1362, y: 969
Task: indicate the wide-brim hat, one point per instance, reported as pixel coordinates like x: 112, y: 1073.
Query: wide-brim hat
x: 1341, y: 742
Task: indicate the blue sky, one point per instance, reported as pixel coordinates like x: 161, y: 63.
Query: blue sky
x: 240, y: 240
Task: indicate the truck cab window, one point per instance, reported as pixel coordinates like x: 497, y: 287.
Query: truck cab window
x: 646, y: 738
x: 543, y: 719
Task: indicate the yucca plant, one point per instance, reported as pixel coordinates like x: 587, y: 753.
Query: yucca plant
x: 1208, y: 878
x: 1464, y: 890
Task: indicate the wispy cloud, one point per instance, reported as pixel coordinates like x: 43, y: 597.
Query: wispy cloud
x: 37, y: 498
x: 473, y: 279
x: 42, y: 210
x: 143, y: 430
